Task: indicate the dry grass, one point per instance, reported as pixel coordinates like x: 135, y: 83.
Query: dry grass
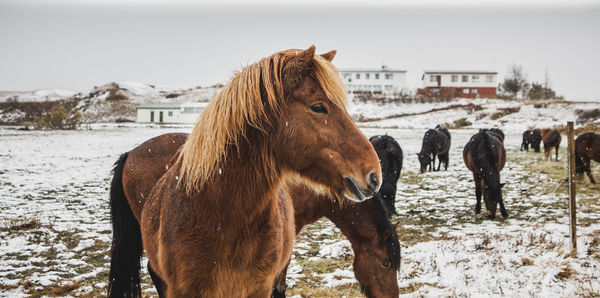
x: 565, y: 273
x: 503, y: 112
x: 20, y: 224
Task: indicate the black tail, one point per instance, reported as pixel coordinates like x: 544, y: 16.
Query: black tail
x: 124, y: 276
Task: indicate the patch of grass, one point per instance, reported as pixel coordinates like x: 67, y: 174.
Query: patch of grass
x: 55, y: 290
x: 565, y: 273
x: 20, y: 224
x: 526, y: 262
x: 462, y: 122
x: 413, y: 287
x: 503, y: 112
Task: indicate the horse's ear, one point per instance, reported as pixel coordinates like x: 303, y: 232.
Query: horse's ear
x: 305, y: 58
x: 502, y: 185
x: 297, y: 67
x: 329, y: 55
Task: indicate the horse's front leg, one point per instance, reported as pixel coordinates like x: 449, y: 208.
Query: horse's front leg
x: 280, y: 285
x: 433, y: 162
x: 503, y: 209
x: 477, y: 193
x: 161, y: 286
x: 557, y: 152
x: 588, y: 170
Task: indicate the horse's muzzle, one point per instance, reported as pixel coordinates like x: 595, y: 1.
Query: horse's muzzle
x: 361, y: 195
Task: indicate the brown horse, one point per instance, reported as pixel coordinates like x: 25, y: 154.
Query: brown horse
x: 551, y: 139
x: 485, y: 156
x: 373, y: 237
x: 220, y: 216
x: 587, y: 148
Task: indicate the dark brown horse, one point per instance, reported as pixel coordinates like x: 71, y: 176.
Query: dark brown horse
x: 485, y: 156
x: 587, y: 148
x: 372, y: 236
x: 436, y: 142
x: 551, y: 139
x: 390, y: 157
x: 219, y: 222
x: 531, y: 137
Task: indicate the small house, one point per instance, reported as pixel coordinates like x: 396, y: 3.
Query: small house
x: 184, y: 113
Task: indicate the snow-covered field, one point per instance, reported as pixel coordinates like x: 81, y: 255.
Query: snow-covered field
x: 55, y: 232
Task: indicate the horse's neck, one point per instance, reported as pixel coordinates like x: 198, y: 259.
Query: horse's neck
x: 349, y: 220
x: 241, y: 186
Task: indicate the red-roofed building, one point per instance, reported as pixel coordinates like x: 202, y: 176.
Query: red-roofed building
x: 466, y: 84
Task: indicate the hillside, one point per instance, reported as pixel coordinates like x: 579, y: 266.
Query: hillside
x: 110, y: 101
x: 100, y: 104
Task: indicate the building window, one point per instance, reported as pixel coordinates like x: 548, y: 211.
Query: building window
x: 433, y: 78
x: 475, y: 79
x: 466, y: 91
x: 358, y: 76
x: 454, y: 78
x: 489, y: 78
x: 389, y: 76
x: 367, y: 76
x: 377, y: 76
x: 465, y: 78
x: 435, y: 90
x: 170, y: 114
x: 474, y: 91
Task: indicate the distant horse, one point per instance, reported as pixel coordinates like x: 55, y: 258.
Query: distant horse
x: 390, y: 157
x: 373, y: 237
x: 551, y: 138
x: 587, y: 148
x: 436, y: 142
x: 531, y: 137
x: 485, y: 156
x: 219, y: 222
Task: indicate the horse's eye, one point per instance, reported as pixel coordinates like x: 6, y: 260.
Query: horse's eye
x: 319, y: 108
x: 385, y: 264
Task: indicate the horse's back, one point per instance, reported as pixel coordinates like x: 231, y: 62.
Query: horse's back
x: 145, y: 164
x: 484, y: 143
x: 588, y: 145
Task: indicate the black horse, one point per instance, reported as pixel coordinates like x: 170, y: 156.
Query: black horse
x: 531, y: 137
x: 390, y: 156
x: 436, y: 142
x: 485, y: 156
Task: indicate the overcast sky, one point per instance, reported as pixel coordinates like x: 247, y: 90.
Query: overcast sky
x: 79, y: 44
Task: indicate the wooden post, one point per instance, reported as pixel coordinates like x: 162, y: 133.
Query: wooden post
x: 572, y: 203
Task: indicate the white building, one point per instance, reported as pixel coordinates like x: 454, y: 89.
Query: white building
x: 456, y: 83
x: 375, y: 81
x: 170, y: 112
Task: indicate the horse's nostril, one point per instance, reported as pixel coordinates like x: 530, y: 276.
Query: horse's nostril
x: 372, y: 181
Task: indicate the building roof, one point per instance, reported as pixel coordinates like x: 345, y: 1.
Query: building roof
x: 160, y: 105
x: 459, y: 72
x: 382, y: 69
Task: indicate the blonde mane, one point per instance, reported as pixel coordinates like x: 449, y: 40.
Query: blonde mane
x: 239, y: 105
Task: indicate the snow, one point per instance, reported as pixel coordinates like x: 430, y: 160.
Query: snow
x: 62, y: 179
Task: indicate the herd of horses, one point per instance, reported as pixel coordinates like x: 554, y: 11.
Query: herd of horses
x: 217, y: 210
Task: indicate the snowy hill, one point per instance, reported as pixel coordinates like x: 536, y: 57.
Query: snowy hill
x: 512, y: 116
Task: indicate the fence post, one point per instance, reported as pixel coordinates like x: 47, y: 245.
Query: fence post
x: 572, y: 189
